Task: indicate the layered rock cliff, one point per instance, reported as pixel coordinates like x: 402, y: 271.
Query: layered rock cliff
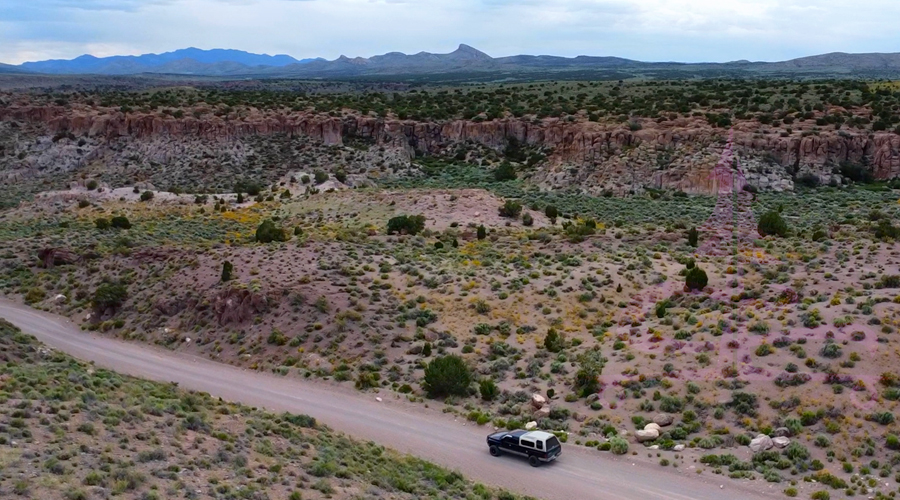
x: 677, y: 153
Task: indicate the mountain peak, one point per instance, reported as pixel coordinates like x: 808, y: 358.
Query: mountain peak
x: 470, y: 52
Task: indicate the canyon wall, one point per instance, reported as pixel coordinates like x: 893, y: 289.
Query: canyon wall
x: 674, y: 153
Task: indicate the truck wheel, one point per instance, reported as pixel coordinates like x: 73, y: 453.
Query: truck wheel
x: 495, y: 451
x: 533, y: 460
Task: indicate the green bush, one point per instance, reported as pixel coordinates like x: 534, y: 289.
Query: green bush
x: 505, y: 172
x: 447, y: 375
x: 120, y: 222
x: 511, y: 209
x: 527, y: 219
x: 102, y: 223
x: 488, y: 389
x: 772, y: 224
x: 109, y: 296
x: 320, y: 176
x: 147, y: 196
x: 481, y: 232
x: 268, y: 232
x: 227, y: 269
x: 696, y: 279
x: 341, y: 176
x: 409, y: 224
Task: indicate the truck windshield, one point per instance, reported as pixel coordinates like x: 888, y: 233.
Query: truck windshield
x: 552, y: 444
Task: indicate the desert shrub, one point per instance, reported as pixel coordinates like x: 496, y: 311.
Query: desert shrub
x: 109, y: 296
x: 892, y: 442
x: 447, y: 375
x: 831, y: 351
x: 856, y: 172
x: 120, y: 222
x: 693, y: 237
x: 886, y: 230
x: 102, y: 223
x: 696, y: 279
x: 147, y: 196
x: 320, y: 176
x: 553, y: 341
x: 772, y: 224
x: 92, y: 185
x: 744, y: 403
x: 821, y: 495
x: 409, y: 224
x: 341, y: 176
x: 505, y: 172
x: 268, y: 232
x: 890, y: 281
x: 481, y: 232
x: 227, y: 269
x: 618, y: 445
x: 511, y: 209
x: 83, y: 203
x: 488, y: 389
x: 883, y: 418
x: 527, y: 219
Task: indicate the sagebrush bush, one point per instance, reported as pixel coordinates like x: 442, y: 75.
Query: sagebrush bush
x: 696, y: 279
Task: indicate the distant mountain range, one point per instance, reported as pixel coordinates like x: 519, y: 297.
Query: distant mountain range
x: 190, y: 61
x: 465, y: 62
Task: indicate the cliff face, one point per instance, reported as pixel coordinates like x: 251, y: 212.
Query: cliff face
x: 673, y: 153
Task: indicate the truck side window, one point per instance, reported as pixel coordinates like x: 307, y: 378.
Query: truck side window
x: 528, y: 444
x: 540, y: 445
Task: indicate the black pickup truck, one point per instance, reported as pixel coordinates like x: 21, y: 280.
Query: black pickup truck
x: 538, y: 446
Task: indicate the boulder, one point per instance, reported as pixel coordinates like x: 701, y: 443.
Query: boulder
x: 538, y: 401
x: 781, y: 442
x: 652, y: 427
x: 761, y: 443
x: 591, y: 398
x: 782, y: 432
x: 663, y: 419
x: 530, y: 426
x: 678, y: 447
x: 643, y: 436
x: 540, y: 413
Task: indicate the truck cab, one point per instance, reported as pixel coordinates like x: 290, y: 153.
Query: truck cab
x: 538, y: 446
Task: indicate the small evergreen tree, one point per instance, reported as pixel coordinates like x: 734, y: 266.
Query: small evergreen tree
x: 693, y: 237
x: 696, y: 279
x: 553, y: 341
x: 772, y: 224
x: 268, y: 232
x: 527, y: 219
x: 481, y: 232
x: 551, y: 212
x: 505, y: 172
x: 447, y: 375
x: 120, y: 222
x: 240, y: 198
x: 488, y: 389
x: 410, y: 224
x: 109, y: 296
x: 227, y: 269
x: 147, y: 196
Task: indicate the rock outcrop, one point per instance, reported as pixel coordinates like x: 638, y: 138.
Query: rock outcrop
x: 675, y: 154
x: 236, y: 305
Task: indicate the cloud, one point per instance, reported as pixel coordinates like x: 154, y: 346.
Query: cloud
x: 686, y: 30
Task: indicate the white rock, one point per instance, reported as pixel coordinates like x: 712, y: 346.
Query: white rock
x: 378, y: 399
x: 187, y: 339
x: 678, y: 447
x: 761, y: 443
x: 59, y: 298
x: 531, y: 426
x: 781, y: 442
x: 538, y: 401
x: 652, y: 427
x: 643, y: 436
x: 542, y: 412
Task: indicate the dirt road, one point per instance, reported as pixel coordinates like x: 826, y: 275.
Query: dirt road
x: 580, y: 474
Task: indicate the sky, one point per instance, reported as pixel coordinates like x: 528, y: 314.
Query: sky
x: 647, y: 30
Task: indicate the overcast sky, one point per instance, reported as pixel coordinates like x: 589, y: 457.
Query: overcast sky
x: 649, y: 30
